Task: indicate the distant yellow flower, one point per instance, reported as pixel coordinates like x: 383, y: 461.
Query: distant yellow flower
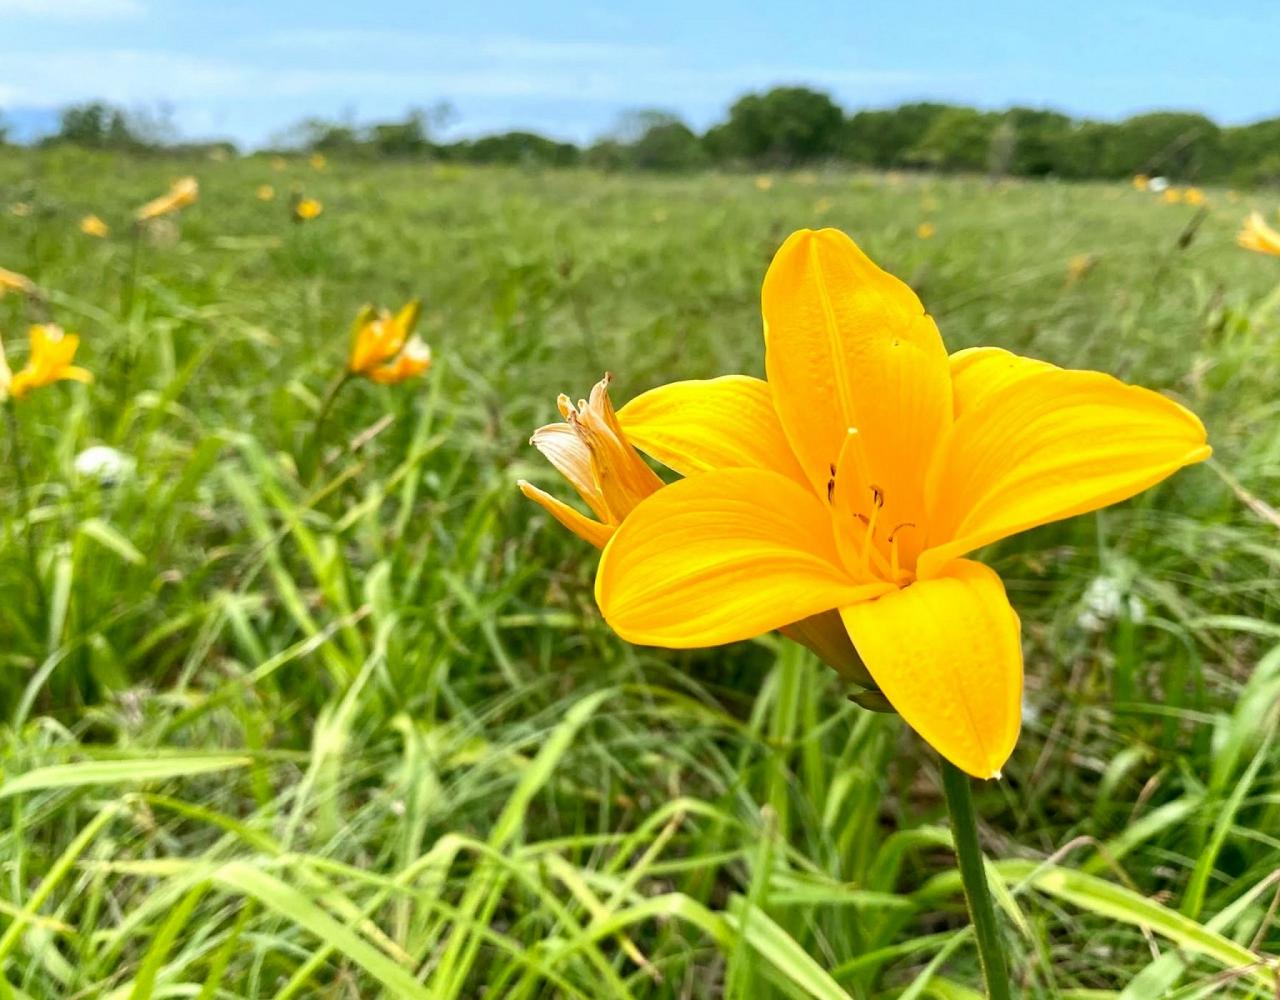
x: 383, y: 348
x: 1193, y: 196
x: 1141, y: 182
x: 21, y: 209
x: 12, y: 281
x: 91, y: 225
x: 52, y: 352
x: 307, y: 209
x: 266, y: 192
x: 279, y: 163
x: 182, y: 193
x: 822, y: 206
x: 926, y: 230
x: 1080, y: 265
x: 591, y: 450
x: 764, y: 182
x: 1258, y: 236
x: 318, y: 161
x: 1172, y: 196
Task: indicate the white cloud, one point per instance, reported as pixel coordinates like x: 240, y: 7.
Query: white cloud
x: 66, y: 10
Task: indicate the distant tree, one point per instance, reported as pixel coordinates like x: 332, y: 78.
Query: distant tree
x: 956, y: 139
x: 884, y: 138
x: 401, y: 139
x: 606, y: 154
x: 666, y: 143
x: 786, y: 125
x: 1176, y: 144
x: 523, y: 148
x: 1039, y: 137
x: 96, y: 125
x: 4, y: 131
x: 1251, y: 153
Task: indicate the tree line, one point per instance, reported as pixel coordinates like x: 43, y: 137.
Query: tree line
x: 790, y: 127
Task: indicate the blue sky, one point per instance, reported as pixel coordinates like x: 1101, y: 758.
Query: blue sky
x: 570, y: 67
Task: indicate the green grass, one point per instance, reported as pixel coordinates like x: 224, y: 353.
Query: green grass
x: 366, y: 735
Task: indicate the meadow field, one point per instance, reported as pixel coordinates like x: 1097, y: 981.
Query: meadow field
x: 287, y: 718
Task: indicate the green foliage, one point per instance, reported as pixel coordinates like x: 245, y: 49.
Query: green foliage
x: 956, y: 139
x: 784, y: 126
x: 362, y: 733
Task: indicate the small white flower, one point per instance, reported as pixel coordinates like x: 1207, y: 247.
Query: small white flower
x: 1157, y: 184
x: 105, y: 464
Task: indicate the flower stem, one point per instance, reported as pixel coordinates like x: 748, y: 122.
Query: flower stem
x: 314, y: 454
x: 24, y: 504
x: 964, y: 828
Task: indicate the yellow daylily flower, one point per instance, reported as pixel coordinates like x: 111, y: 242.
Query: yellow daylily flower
x: 182, y: 193
x: 1172, y: 196
x: 52, y: 352
x: 265, y: 192
x: 1141, y: 182
x: 318, y: 161
x: 279, y: 163
x: 591, y: 450
x: 307, y: 209
x: 1194, y: 196
x: 1256, y: 235
x: 12, y: 281
x: 764, y: 182
x: 91, y: 225
x: 411, y: 362
x: 856, y: 478
x: 926, y: 230
x: 382, y: 348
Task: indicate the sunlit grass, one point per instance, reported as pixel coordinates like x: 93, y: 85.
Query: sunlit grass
x: 363, y: 734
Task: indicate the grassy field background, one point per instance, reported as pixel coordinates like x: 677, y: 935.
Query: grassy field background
x: 363, y: 734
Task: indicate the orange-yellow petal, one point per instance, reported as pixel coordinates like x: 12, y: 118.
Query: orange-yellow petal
x: 979, y: 372
x: 588, y: 530
x: 947, y: 654
x: 703, y: 424
x: 564, y: 448
x: 848, y: 345
x: 1048, y: 445
x: 723, y: 556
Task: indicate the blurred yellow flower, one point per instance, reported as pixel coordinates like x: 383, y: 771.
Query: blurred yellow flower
x: 1141, y: 182
x: 182, y: 193
x: 383, y: 349
x: 926, y: 230
x: 12, y: 281
x: 306, y: 209
x: 318, y: 161
x: 822, y: 206
x: 1080, y: 265
x: 409, y: 363
x: 1172, y: 196
x: 279, y: 163
x: 52, y: 352
x: 21, y: 209
x: 1193, y: 196
x: 764, y: 182
x: 91, y: 225
x: 591, y: 450
x: 266, y: 192
x: 1258, y: 236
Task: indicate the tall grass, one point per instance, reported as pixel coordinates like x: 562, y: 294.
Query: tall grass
x: 365, y: 735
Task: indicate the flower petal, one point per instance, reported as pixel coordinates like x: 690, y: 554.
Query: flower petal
x: 723, y: 556
x: 848, y: 345
x: 979, y: 372
x: 704, y: 424
x: 946, y: 653
x: 588, y: 530
x: 1046, y: 446
x: 569, y: 454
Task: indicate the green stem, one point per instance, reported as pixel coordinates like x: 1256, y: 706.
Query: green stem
x: 964, y: 828
x: 24, y: 504
x: 314, y: 451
